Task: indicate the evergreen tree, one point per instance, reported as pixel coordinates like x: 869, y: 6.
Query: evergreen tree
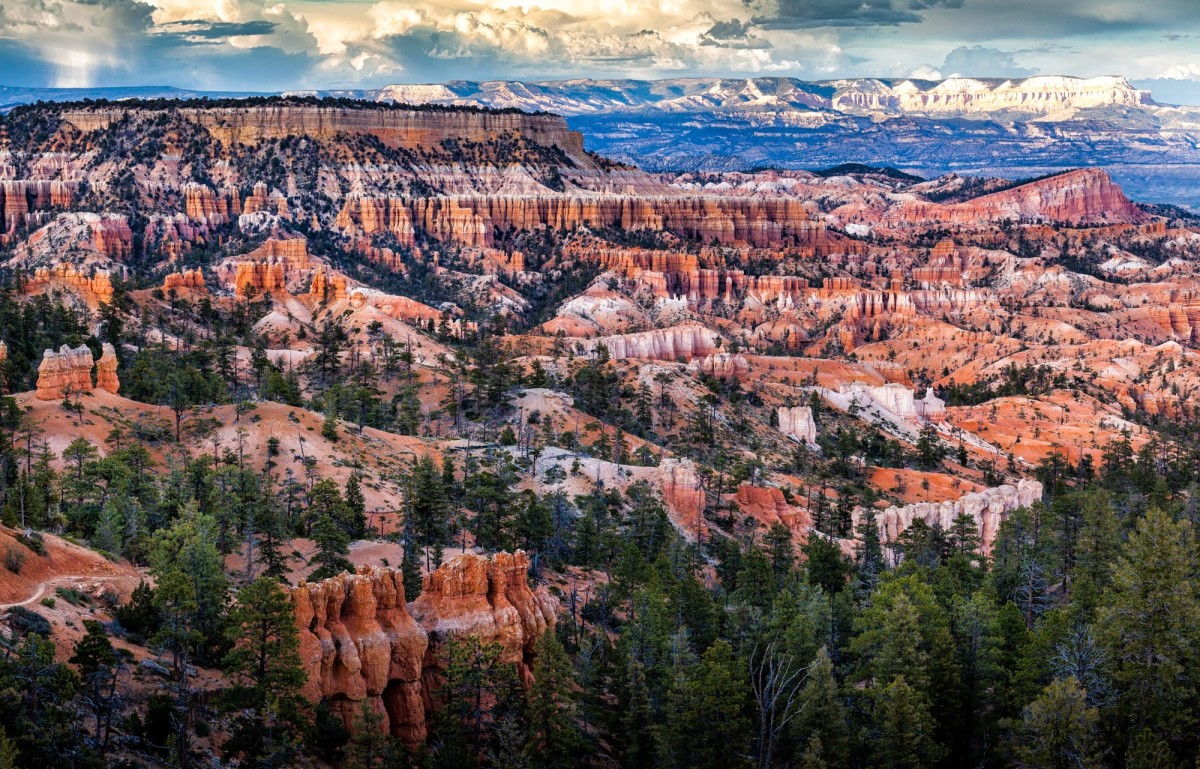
x: 637, y: 749
x: 707, y: 726
x: 265, y: 676
x: 332, y: 548
x: 554, y: 739
x: 1149, y: 751
x: 906, y: 730
x: 1149, y: 622
x: 97, y: 661
x: 1058, y: 729
x: 824, y: 715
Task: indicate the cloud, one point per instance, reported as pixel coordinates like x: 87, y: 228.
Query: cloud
x: 285, y: 44
x: 978, y: 61
x: 846, y: 13
x: 218, y: 30
x: 733, y: 34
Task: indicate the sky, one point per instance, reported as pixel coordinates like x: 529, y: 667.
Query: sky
x: 271, y: 45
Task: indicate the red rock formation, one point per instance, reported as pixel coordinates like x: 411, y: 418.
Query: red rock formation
x: 371, y: 216
x: 270, y: 267
x: 64, y: 371
x: 262, y: 199
x: 327, y: 287
x: 106, y: 370
x: 486, y: 597
x: 1085, y: 196
x: 21, y: 200
x: 411, y: 129
x: 201, y: 204
x: 361, y: 642
x: 684, y: 496
x: 97, y: 287
x: 188, y: 280
x: 767, y: 505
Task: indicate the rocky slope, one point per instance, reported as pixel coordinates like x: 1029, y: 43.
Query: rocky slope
x: 864, y: 298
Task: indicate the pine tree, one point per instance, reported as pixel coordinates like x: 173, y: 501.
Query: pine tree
x: 824, y: 716
x: 813, y: 757
x: 265, y: 676
x: 329, y: 429
x: 429, y: 509
x: 554, y: 739
x: 368, y: 746
x: 97, y: 662
x: 190, y: 591
x: 906, y: 729
x: 1058, y: 729
x: 707, y: 726
x: 1149, y: 751
x: 780, y: 550
x: 1149, y: 622
x: 332, y: 548
x: 8, y: 751
x: 356, y: 505
x: 638, y: 749
x: 410, y: 571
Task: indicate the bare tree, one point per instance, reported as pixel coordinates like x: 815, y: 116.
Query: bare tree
x: 776, y: 680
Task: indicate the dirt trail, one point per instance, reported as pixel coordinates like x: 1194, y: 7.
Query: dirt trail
x: 62, y: 578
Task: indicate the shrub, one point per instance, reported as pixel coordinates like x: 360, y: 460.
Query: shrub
x: 23, y: 622
x: 73, y: 596
x: 49, y: 602
x: 14, y: 559
x: 140, y: 616
x: 34, y: 542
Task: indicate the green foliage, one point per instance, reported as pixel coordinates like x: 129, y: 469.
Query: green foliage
x: 265, y: 675
x: 333, y: 545
x: 707, y: 724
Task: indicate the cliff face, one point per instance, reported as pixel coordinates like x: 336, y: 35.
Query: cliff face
x: 686, y: 342
x: 409, y: 129
x: 96, y: 287
x: 797, y: 423
x: 987, y: 508
x: 1085, y: 196
x: 472, y: 220
x: 361, y: 642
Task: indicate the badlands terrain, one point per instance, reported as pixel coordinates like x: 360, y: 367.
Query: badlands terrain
x: 613, y: 448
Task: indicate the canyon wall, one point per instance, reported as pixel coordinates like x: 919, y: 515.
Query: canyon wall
x: 678, y: 342
x: 360, y: 641
x: 399, y: 128
x: 1085, y: 196
x: 473, y: 220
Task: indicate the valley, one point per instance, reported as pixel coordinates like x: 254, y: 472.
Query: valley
x: 502, y: 447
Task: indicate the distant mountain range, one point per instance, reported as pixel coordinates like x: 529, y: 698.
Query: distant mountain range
x: 968, y: 125
x: 1056, y: 98
x: 997, y: 127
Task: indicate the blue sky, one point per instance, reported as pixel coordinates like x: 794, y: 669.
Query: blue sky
x: 283, y: 44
